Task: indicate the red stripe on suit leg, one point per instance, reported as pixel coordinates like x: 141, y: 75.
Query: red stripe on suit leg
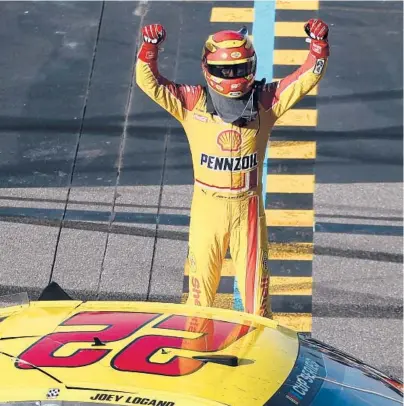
x: 252, y: 242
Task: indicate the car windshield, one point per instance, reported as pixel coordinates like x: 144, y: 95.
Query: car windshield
x: 16, y: 299
x: 325, y: 376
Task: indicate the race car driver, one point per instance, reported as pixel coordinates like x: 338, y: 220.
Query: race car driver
x: 228, y: 124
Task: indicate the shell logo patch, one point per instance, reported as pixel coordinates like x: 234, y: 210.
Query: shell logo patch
x: 229, y: 140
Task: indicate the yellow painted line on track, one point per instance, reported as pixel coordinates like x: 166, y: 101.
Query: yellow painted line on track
x: 313, y: 92
x: 290, y: 29
x: 291, y: 285
x: 290, y: 56
x: 287, y: 29
x: 246, y: 15
x: 292, y: 150
x: 290, y: 183
x: 300, y: 251
x: 232, y: 15
x: 295, y: 321
x: 290, y: 218
x: 298, y: 118
x: 297, y: 4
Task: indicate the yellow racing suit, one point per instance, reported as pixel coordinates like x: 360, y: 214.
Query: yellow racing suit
x: 227, y: 207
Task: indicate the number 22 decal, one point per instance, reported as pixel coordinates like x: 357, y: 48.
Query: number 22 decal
x: 136, y: 356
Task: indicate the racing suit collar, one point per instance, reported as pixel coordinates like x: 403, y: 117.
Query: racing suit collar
x: 242, y: 109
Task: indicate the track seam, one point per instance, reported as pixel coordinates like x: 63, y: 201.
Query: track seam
x: 78, y: 140
x: 122, y: 144
x: 166, y: 142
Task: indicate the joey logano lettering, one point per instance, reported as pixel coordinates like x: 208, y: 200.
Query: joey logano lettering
x: 146, y: 401
x: 233, y: 164
x: 135, y: 400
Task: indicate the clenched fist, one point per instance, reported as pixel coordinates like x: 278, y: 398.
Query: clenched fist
x: 316, y: 29
x: 154, y: 34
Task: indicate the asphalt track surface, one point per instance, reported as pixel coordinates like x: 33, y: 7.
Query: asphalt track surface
x: 87, y: 162
x: 357, y: 269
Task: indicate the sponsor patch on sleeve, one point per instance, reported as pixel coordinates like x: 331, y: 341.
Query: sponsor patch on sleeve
x: 319, y: 66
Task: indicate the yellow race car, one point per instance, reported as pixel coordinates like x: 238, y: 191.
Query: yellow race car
x: 61, y: 352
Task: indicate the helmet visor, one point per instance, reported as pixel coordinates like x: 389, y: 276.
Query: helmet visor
x: 239, y: 70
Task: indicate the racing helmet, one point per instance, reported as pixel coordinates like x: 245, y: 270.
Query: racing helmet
x: 229, y: 63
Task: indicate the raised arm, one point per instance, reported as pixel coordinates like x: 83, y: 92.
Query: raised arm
x: 176, y: 99
x: 283, y: 95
